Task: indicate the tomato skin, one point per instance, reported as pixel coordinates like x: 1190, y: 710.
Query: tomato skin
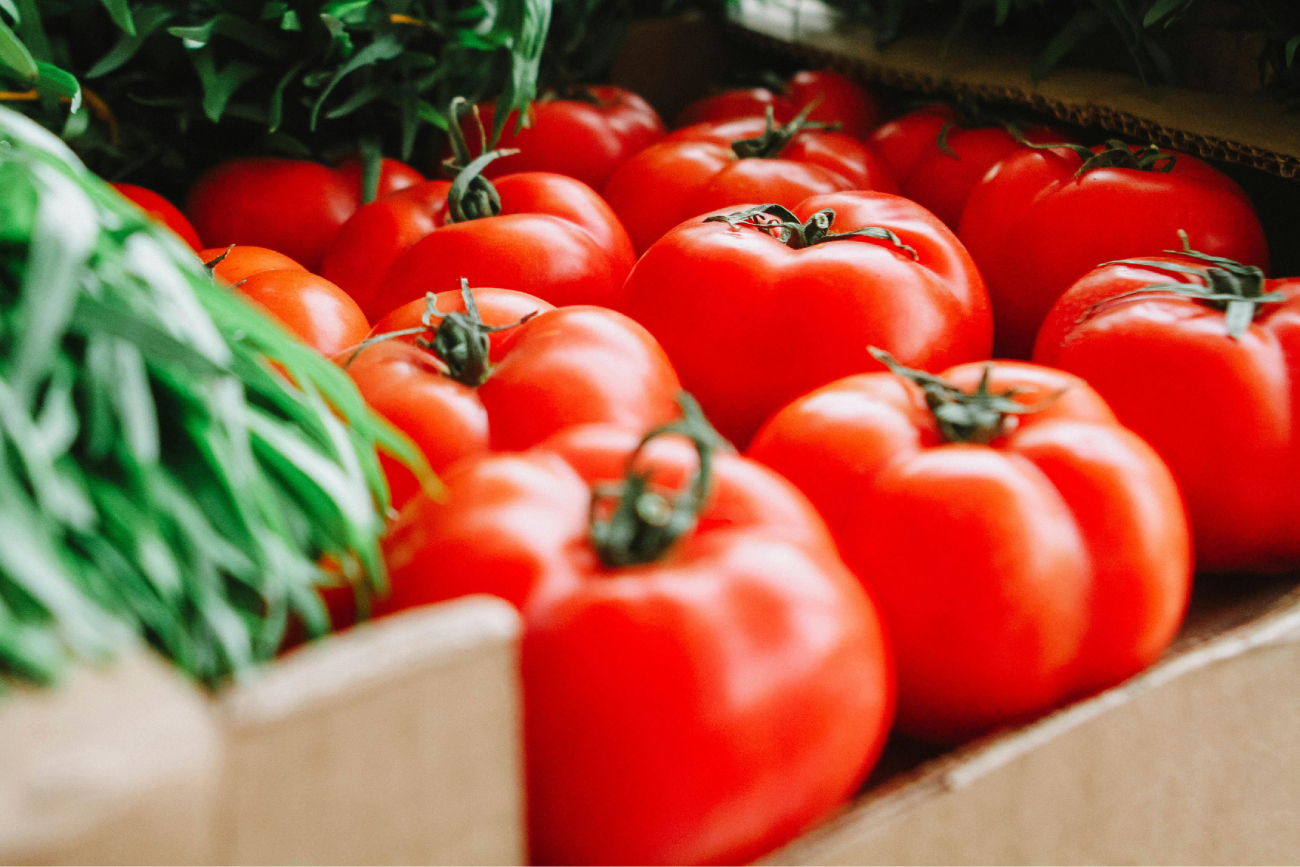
x: 842, y: 154
x: 1220, y: 411
x: 162, y: 211
x: 241, y: 262
x: 573, y: 137
x: 554, y: 238
x: 311, y: 307
x: 736, y: 104
x: 1010, y: 577
x: 746, y: 667
x: 843, y: 101
x: 901, y: 141
x: 751, y: 323
x: 291, y: 206
x: 564, y: 367
x: 677, y: 180
x: 1034, y: 229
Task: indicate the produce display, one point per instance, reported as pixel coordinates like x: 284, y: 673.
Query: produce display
x: 820, y: 418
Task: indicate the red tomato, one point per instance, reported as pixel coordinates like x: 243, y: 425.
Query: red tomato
x: 584, y: 138
x: 843, y: 101
x: 161, y: 210
x: 291, y: 206
x: 241, y: 262
x: 699, y: 695
x: 1023, y: 547
x: 840, y: 153
x: 1035, y: 225
x: 318, y: 312
x: 697, y: 171
x: 509, y: 389
x: 902, y: 141
x: 1221, y: 410
x: 752, y: 321
x: 553, y: 237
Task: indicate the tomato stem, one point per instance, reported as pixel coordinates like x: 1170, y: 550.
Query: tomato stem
x: 471, y: 196
x: 978, y: 417
x: 781, y: 223
x: 1115, y: 155
x: 1230, y: 286
x: 644, y: 523
x: 773, y: 139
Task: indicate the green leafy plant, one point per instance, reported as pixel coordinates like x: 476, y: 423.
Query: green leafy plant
x: 172, y: 464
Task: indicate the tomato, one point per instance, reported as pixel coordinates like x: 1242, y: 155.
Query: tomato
x: 1220, y: 409
x: 477, y: 389
x: 237, y: 263
x: 291, y: 206
x: 318, y: 312
x: 696, y: 171
x: 1023, y: 547
x: 536, y: 232
x: 842, y: 101
x: 754, y: 312
x: 698, y: 691
x: 1041, y: 219
x: 161, y: 210
x: 939, y: 156
x: 840, y: 153
x: 586, y: 137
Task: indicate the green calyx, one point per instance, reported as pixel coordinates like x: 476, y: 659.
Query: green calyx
x: 781, y: 223
x: 461, y: 340
x: 471, y: 196
x: 1230, y: 286
x: 644, y: 523
x: 773, y: 139
x: 977, y: 417
x: 1115, y: 155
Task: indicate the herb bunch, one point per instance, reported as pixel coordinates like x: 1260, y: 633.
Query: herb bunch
x: 172, y: 464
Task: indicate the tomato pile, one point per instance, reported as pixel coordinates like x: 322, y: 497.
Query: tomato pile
x: 716, y: 410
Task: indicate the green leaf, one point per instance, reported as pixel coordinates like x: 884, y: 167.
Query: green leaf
x: 385, y: 47
x: 220, y: 85
x: 1084, y: 23
x: 9, y: 8
x: 232, y: 27
x: 290, y: 21
x: 147, y: 22
x: 275, y: 111
x: 528, y: 21
x: 15, y: 56
x: 120, y: 12
x: 1292, y: 45
x: 60, y: 82
x: 1161, y: 10
x: 360, y: 98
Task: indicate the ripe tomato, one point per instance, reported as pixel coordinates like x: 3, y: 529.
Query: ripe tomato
x: 162, y: 211
x: 842, y: 101
x: 696, y: 171
x: 695, y: 691
x: 1023, y: 547
x: 755, y: 312
x: 473, y: 389
x: 318, y: 312
x: 237, y: 263
x: 938, y: 164
x: 1220, y: 409
x: 541, y: 233
x: 586, y: 137
x: 291, y: 206
x: 1041, y: 219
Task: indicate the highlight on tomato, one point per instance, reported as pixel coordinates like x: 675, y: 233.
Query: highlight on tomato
x: 473, y: 370
x: 839, y: 100
x: 1022, y: 546
x: 760, y: 304
x: 1044, y: 217
x: 689, y: 628
x: 1200, y: 355
x: 311, y: 307
x: 698, y: 170
x: 584, y: 132
x: 162, y: 211
x: 291, y: 206
x: 536, y: 232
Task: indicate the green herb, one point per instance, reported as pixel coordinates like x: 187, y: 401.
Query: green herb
x: 172, y: 463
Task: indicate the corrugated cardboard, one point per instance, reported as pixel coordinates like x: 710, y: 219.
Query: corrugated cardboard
x: 1249, y: 128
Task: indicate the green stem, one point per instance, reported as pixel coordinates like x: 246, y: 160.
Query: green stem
x: 471, y: 196
x: 1115, y: 155
x: 773, y: 139
x: 781, y: 223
